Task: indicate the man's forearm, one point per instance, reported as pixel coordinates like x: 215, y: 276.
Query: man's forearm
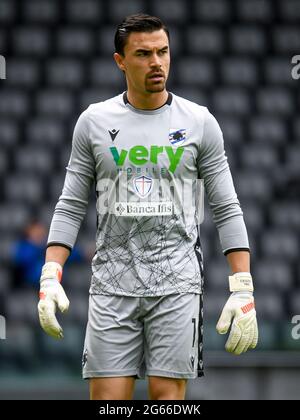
x: 57, y: 254
x: 239, y: 261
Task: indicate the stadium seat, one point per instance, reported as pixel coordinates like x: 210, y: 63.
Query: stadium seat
x: 3, y: 162
x: 247, y: 40
x: 20, y: 188
x: 286, y: 39
x: 3, y: 40
x: 269, y: 306
x: 251, y: 185
x: 216, y: 273
x: 23, y: 72
x: 66, y: 73
x: 57, y: 103
x: 117, y: 10
x: 296, y: 128
x: 171, y: 10
x: 267, y: 129
x: 289, y: 10
x: 233, y: 101
x: 5, y: 283
x: 104, y: 72
x: 13, y: 218
x: 239, y: 71
x: 20, y: 346
x: 204, y: 40
x: 105, y: 40
x: 187, y: 68
x: 217, y: 11
x: 40, y: 11
x: 74, y: 41
x: 21, y: 306
x: 9, y: 130
x: 278, y: 101
x: 259, y: 156
x: 47, y: 132
x: 6, y: 243
x: 84, y: 12
x: 256, y: 10
x: 277, y: 71
x: 31, y: 41
x: 7, y: 12
x: 280, y: 243
x: 13, y: 103
x: 292, y: 159
x: 34, y: 160
x: 285, y: 214
x: 272, y: 274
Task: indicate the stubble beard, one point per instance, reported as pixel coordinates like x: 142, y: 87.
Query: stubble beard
x: 155, y: 87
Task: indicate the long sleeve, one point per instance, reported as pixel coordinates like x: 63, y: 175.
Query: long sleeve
x: 214, y: 170
x: 72, y: 204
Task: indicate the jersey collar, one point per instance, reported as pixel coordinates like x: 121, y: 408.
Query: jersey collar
x: 148, y: 111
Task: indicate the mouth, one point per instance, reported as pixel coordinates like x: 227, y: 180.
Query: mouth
x: 157, y: 77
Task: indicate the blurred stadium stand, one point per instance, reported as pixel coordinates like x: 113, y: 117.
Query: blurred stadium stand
x: 231, y: 56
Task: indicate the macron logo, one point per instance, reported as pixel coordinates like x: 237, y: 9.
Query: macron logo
x: 248, y: 307
x: 113, y: 134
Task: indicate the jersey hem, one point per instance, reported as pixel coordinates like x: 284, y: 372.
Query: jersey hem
x: 91, y: 292
x: 168, y: 374
x: 110, y: 373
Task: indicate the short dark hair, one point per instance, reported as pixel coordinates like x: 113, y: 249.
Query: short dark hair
x: 137, y: 23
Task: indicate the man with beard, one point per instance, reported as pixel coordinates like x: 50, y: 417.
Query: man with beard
x: 145, y: 307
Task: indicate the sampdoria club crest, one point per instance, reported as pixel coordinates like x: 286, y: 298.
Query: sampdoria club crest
x: 177, y: 136
x: 143, y: 185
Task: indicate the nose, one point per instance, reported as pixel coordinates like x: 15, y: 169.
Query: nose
x: 155, y: 61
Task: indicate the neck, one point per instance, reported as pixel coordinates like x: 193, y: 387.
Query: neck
x: 147, y: 101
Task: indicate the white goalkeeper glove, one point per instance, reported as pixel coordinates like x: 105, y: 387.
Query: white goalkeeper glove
x: 51, y: 295
x: 239, y: 309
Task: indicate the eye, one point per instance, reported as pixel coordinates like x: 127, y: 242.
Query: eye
x: 142, y: 53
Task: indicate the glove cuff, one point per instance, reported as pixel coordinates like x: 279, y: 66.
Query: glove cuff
x: 241, y: 282
x: 51, y: 270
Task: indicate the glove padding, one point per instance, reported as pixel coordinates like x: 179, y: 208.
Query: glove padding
x: 244, y: 331
x: 51, y: 295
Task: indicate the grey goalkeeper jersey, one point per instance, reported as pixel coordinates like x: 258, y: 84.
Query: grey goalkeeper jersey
x: 145, y: 165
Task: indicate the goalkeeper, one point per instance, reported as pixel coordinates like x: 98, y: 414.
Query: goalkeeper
x: 145, y: 304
